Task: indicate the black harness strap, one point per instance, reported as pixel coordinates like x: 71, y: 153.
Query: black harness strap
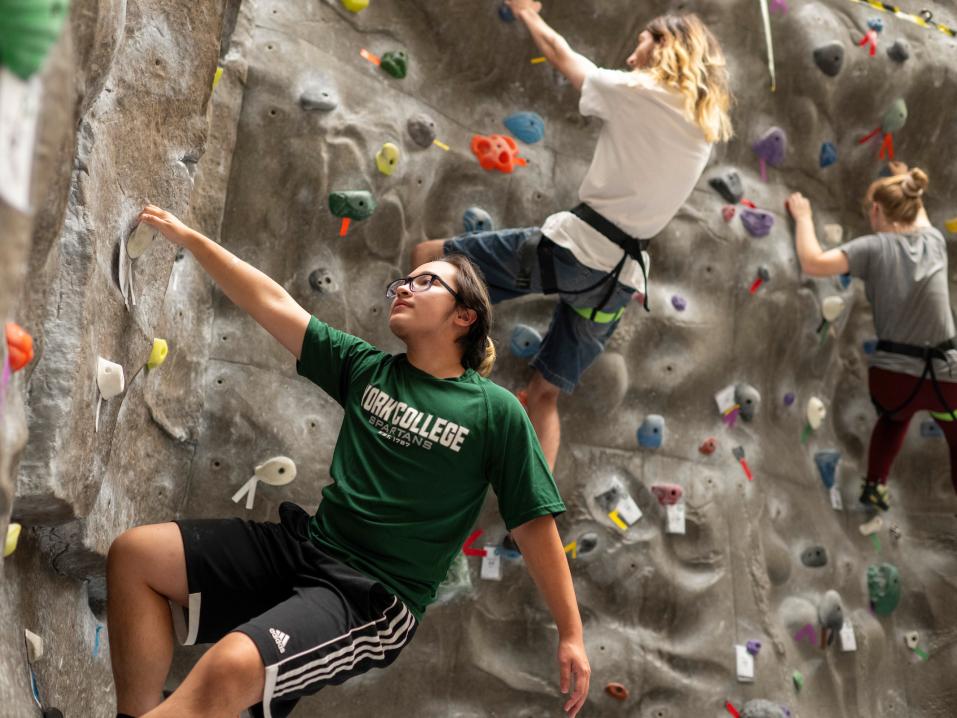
x: 928, y: 354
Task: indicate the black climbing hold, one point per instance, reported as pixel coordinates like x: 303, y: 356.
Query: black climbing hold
x: 509, y: 544
x: 899, y: 52
x: 608, y: 500
x: 321, y: 281
x: 814, y: 557
x: 52, y: 713
x: 728, y: 184
x: 505, y: 13
x: 395, y: 62
x: 588, y: 542
x: 829, y: 58
x: 421, y: 129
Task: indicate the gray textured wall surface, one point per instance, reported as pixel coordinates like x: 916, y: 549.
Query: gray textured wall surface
x: 129, y: 116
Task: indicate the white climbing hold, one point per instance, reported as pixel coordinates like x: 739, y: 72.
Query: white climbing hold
x: 34, y: 646
x: 277, y: 471
x: 109, y: 381
x: 140, y: 240
x: 872, y: 526
x: 815, y: 413
x: 912, y: 639
x: 832, y: 307
x: 833, y: 234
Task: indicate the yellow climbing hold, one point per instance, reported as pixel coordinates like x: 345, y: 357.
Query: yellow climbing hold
x: 951, y: 225
x: 355, y: 5
x: 538, y: 60
x: 158, y: 355
x: 217, y: 76
x: 13, y: 535
x: 387, y: 158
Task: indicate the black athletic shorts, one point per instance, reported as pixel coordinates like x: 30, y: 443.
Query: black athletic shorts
x: 315, y: 620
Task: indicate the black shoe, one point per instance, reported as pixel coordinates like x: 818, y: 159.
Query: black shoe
x: 874, y: 494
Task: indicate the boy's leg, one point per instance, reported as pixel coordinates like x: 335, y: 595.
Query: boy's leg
x: 542, y: 407
x: 427, y: 251
x: 145, y: 569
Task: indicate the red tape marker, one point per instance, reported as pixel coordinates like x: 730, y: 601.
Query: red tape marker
x: 757, y: 283
x: 732, y: 710
x: 467, y: 548
x: 344, y: 227
x: 747, y: 470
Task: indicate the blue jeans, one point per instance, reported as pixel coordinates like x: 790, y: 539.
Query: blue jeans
x: 572, y: 342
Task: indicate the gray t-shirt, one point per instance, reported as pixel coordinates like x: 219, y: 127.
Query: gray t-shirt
x: 905, y: 278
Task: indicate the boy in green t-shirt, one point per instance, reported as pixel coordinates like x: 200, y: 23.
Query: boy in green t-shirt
x: 312, y: 601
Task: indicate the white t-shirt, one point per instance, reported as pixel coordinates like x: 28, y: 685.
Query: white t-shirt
x: 648, y: 159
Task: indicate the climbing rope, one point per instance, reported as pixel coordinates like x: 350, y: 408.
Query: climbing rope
x: 924, y: 19
x: 766, y: 18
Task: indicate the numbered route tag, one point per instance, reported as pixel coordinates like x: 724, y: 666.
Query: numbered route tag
x: 836, y: 501
x: 848, y: 641
x: 491, y: 565
x: 676, y: 518
x: 745, y: 663
x: 628, y: 510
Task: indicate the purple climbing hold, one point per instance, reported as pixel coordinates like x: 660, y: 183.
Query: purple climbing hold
x: 870, y: 346
x: 757, y: 221
x: 770, y: 149
x: 754, y: 647
x: 679, y: 302
x: 789, y: 398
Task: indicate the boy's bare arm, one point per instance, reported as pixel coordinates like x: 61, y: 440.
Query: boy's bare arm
x: 251, y: 290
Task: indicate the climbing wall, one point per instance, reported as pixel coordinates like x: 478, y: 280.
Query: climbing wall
x: 711, y: 457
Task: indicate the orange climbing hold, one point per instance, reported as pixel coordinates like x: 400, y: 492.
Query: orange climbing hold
x: 19, y: 346
x: 497, y: 152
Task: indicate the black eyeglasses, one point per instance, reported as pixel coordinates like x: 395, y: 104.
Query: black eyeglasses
x: 418, y: 283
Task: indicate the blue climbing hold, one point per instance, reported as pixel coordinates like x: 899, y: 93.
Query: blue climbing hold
x: 876, y: 24
x: 525, y: 341
x: 827, y: 462
x: 870, y: 346
x: 844, y: 280
x: 652, y: 431
x: 929, y: 429
x: 828, y: 154
x: 477, y: 219
x: 529, y: 127
x: 505, y: 13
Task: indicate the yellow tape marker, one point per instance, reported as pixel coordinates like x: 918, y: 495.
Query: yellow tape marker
x: 217, y: 76
x: 916, y: 19
x: 617, y: 519
x: 951, y: 225
x: 572, y: 548
x: 440, y: 144
x: 538, y: 60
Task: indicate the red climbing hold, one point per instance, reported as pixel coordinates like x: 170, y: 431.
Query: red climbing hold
x: 497, y: 152
x: 617, y: 691
x: 728, y: 212
x: 19, y: 346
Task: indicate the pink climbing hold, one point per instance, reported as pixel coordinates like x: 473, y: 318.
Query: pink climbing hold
x: 780, y: 6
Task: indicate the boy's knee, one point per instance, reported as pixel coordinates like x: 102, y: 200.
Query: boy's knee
x: 540, y: 389
x: 235, y: 668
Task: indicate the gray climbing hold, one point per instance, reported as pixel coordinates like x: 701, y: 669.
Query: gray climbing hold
x: 829, y: 58
x: 757, y: 222
x: 728, y: 185
x: 899, y: 52
x: 608, y: 500
x: 814, y: 557
x: 318, y: 96
x: 930, y: 429
x: 421, y: 129
x: 830, y: 613
x: 748, y: 398
x: 477, y: 219
x: 760, y: 708
x: 322, y: 281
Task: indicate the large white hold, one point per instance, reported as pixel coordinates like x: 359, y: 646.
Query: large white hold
x: 277, y: 471
x: 815, y: 412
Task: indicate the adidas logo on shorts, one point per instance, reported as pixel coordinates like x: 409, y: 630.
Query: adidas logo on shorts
x: 281, y: 639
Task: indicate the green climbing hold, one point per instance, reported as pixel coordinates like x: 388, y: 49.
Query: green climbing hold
x: 354, y: 204
x: 883, y: 588
x: 28, y: 29
x: 798, y: 679
x: 896, y: 116
x: 396, y: 63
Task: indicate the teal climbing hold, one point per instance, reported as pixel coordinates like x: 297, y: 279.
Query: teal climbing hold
x: 883, y: 588
x: 525, y: 341
x: 28, y: 29
x: 476, y: 219
x: 395, y: 62
x: 352, y: 204
x: 529, y: 127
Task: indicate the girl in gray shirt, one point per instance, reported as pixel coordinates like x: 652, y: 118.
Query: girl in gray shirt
x: 904, y: 268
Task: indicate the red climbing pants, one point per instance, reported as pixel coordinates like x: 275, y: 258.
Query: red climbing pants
x: 891, y: 389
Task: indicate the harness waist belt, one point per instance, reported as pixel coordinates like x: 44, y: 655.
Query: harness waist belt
x: 917, y: 351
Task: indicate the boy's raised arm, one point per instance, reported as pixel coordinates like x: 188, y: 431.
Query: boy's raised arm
x: 251, y: 290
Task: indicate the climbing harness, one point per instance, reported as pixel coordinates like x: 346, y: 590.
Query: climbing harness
x: 924, y: 19
x: 542, y: 247
x: 928, y: 354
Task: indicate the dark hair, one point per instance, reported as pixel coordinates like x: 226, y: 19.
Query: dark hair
x: 900, y: 194
x: 478, y: 351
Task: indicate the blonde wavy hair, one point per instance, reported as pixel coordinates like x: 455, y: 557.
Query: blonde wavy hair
x: 900, y: 194
x: 478, y: 351
x: 688, y: 58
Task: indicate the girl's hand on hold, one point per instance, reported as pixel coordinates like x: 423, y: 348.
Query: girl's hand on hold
x: 168, y: 224
x: 799, y: 206
x: 517, y: 6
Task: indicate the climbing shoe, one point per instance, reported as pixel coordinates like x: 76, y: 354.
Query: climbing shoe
x: 876, y: 495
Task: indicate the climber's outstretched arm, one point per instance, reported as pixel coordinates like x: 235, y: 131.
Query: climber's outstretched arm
x: 814, y: 261
x: 251, y: 290
x: 555, y: 48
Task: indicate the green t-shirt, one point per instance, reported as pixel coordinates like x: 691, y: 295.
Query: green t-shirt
x: 413, y: 462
